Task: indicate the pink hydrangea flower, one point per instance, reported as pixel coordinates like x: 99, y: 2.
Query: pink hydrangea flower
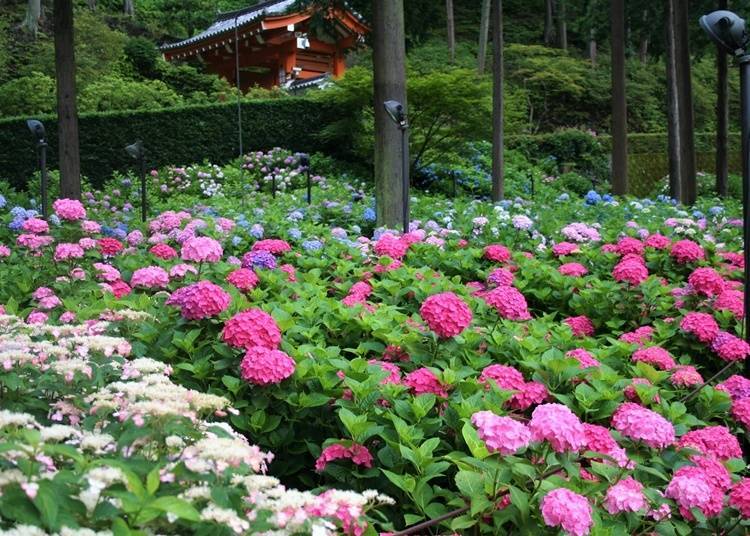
x: 504, y: 376
x: 87, y: 243
x: 355, y: 452
x: 558, y: 425
x: 562, y: 249
x: 497, y: 253
x: 36, y: 317
x: 272, y: 245
x: 532, y: 393
x: 573, y: 269
x: 732, y: 301
x: 581, y: 326
x: 631, y: 393
x: 423, y: 380
x: 150, y: 277
x: 391, y: 246
x: 641, y: 424
x: 90, y: 227
x: 625, y: 496
x: 508, y: 302
x: 394, y: 373
x: 715, y: 441
x: 500, y: 277
x: 446, y: 314
x: 35, y: 225
x: 567, y: 510
x: 730, y: 347
x: 201, y: 249
x: 501, y: 434
x: 701, y: 325
x: 655, y: 356
x: 243, y: 279
x: 4, y: 251
x: 263, y: 366
x: 687, y: 251
x: 584, y: 358
x: 599, y: 439
x: 739, y: 497
x: 200, y: 300
x: 640, y: 336
x: 691, y: 489
x: 109, y: 246
x: 706, y: 281
x: 163, y: 251
x: 178, y: 271
x: 629, y: 245
x: 741, y: 411
x: 69, y: 209
x: 251, y: 328
x: 630, y: 271
x: 657, y: 241
x: 66, y: 252
x: 685, y: 376
x: 289, y: 270
x: 68, y: 317
x: 738, y: 387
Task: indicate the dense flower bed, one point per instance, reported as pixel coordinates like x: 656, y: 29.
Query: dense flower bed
x: 530, y: 366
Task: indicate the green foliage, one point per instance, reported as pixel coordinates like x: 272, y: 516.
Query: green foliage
x: 114, y: 93
x: 141, y: 53
x: 31, y: 95
x: 171, y: 136
x: 192, y: 83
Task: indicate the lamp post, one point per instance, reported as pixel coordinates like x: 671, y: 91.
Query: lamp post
x: 138, y: 153
x: 304, y: 161
x: 37, y: 129
x: 729, y: 32
x: 397, y: 113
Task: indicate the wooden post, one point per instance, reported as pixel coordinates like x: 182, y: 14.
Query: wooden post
x: 562, y: 25
x: 389, y: 79
x: 549, y: 28
x: 498, y: 115
x: 619, y: 100
x: 67, y: 113
x: 451, y: 30
x: 484, y: 30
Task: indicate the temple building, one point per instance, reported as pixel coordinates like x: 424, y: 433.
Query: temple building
x: 274, y: 45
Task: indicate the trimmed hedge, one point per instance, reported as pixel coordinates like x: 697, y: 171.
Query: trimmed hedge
x: 178, y: 136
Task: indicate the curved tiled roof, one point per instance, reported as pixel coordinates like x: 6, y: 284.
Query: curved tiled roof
x: 225, y: 22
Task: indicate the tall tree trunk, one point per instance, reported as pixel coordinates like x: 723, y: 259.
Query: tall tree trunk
x: 389, y: 79
x: 451, y: 29
x: 722, y: 118
x: 484, y: 31
x: 562, y: 25
x: 619, y: 100
x: 680, y: 106
x: 67, y: 115
x: 592, y: 47
x: 549, y: 28
x: 643, y: 45
x: 498, y: 114
x: 33, y: 16
x: 129, y: 8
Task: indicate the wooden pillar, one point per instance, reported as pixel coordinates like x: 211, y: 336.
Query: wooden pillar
x: 339, y: 63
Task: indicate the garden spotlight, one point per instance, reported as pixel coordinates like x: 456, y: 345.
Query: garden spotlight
x: 397, y: 113
x: 729, y: 32
x: 137, y: 152
x: 37, y: 130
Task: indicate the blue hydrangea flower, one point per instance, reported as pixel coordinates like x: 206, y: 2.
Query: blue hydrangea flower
x: 592, y: 198
x: 295, y: 234
x: 107, y: 230
x: 261, y: 259
x: 312, y: 245
x: 119, y: 233
x: 607, y: 198
x: 3, y: 201
x: 715, y: 211
x: 369, y: 214
x: 256, y: 231
x: 236, y: 240
x: 697, y: 214
x: 54, y: 219
x: 295, y: 215
x: 16, y: 224
x: 563, y: 197
x: 18, y: 212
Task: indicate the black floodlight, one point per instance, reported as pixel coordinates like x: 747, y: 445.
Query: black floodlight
x: 137, y: 152
x: 396, y: 112
x: 727, y: 30
x: 37, y: 129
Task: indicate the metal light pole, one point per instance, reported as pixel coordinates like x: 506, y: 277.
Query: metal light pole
x: 397, y: 113
x: 137, y: 151
x: 304, y: 161
x: 729, y: 32
x: 37, y: 129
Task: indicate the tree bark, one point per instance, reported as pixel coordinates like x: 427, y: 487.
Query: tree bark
x: 33, y: 16
x: 548, y: 23
x: 129, y: 8
x: 389, y: 79
x: 67, y: 114
x: 619, y: 100
x: 562, y: 25
x: 91, y: 4
x: 484, y: 30
x: 722, y: 118
x: 643, y: 45
x: 680, y: 107
x: 498, y: 114
x: 451, y: 30
x: 592, y: 47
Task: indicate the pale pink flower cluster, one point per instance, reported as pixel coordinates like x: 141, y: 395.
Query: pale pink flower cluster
x: 106, y: 272
x: 90, y: 227
x: 69, y: 209
x: 508, y: 378
x: 392, y: 371
x: 201, y: 249
x: 179, y: 271
x: 580, y: 232
x: 446, y: 314
x: 699, y: 487
x: 567, y: 510
x: 35, y: 225
x: 358, y: 293
x: 355, y: 452
x: 625, y: 496
x: 150, y: 277
x: 34, y: 242
x: 66, y: 252
x: 641, y: 424
x: 732, y: 301
x: 501, y: 434
x: 559, y: 426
